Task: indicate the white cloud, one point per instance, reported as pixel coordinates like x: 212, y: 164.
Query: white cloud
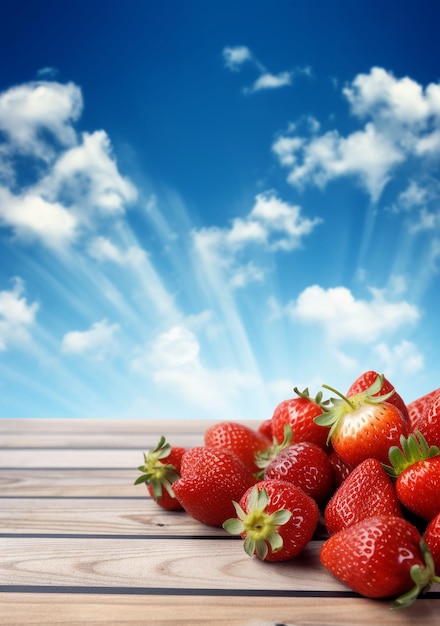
x: 429, y: 145
x: 420, y: 201
x: 47, y: 72
x: 173, y: 361
x: 366, y: 154
x: 176, y: 347
x: 397, y: 285
x: 214, y: 391
x: 426, y: 220
x: 79, y: 178
x: 286, y: 148
x: 403, y: 357
x: 16, y: 316
x: 272, y: 81
x: 284, y: 225
x: 236, y: 56
x: 402, y: 120
x: 345, y: 361
x: 242, y: 233
x: 271, y: 225
x: 414, y: 195
x: 102, y: 249
x: 31, y: 217
x: 97, y: 341
x: 380, y: 95
x: 203, y: 321
x: 345, y: 319
x: 7, y: 172
x: 87, y: 177
x: 245, y: 274
x: 28, y: 109
x: 355, y: 334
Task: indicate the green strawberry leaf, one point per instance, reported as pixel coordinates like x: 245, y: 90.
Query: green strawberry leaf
x: 155, y: 473
x: 258, y: 527
x: 414, y: 448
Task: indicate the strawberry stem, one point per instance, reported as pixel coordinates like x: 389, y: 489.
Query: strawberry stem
x: 155, y: 473
x: 422, y: 575
x: 258, y: 528
x: 317, y: 399
x: 338, y: 393
x: 264, y: 457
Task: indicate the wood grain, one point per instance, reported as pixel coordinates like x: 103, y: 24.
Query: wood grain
x: 168, y: 563
x: 80, y: 544
x: 68, y: 482
x: 159, y: 610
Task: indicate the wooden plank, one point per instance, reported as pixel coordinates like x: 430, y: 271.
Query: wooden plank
x: 141, y: 441
x: 207, y: 610
x: 104, y: 516
x: 38, y: 447
x: 174, y: 566
x: 66, y: 458
x: 134, y: 562
x: 80, y: 544
x: 102, y: 426
x: 69, y: 482
x: 23, y: 436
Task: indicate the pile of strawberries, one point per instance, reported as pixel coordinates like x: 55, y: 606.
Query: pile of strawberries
x: 365, y: 466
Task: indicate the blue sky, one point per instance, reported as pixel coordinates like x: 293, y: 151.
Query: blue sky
x: 205, y: 204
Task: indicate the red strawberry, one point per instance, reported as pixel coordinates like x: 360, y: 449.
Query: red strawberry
x: 367, y: 491
x: 299, y: 413
x: 417, y: 409
x: 340, y: 469
x: 380, y: 557
x: 245, y: 442
x: 365, y: 381
x: 210, y: 480
x: 432, y: 540
x: 275, y: 519
x: 265, y: 428
x: 364, y: 425
x: 305, y: 465
x: 417, y: 468
x: 160, y: 471
x: 429, y: 422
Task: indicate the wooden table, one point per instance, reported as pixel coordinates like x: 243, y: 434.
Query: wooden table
x: 80, y: 544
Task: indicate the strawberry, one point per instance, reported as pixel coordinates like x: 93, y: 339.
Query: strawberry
x: 417, y: 409
x: 160, y: 471
x: 340, y: 469
x: 265, y: 428
x: 379, y: 557
x: 299, y: 413
x: 275, y: 519
x: 305, y: 465
x: 210, y: 480
x: 429, y: 422
x: 367, y: 491
x: 416, y: 467
x: 365, y: 380
x: 432, y: 540
x: 364, y: 425
x: 245, y: 442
